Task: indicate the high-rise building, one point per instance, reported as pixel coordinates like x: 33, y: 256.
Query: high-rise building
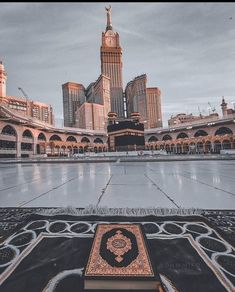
x: 154, y: 108
x: 107, y: 90
x: 145, y: 101
x: 23, y: 106
x: 111, y: 65
x: 99, y: 92
x: 73, y: 97
x: 90, y: 116
x: 136, y: 97
x: 3, y: 79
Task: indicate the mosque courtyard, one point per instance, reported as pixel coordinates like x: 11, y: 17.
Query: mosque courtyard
x: 171, y: 184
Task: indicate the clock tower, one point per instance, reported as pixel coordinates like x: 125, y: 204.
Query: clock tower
x: 111, y: 65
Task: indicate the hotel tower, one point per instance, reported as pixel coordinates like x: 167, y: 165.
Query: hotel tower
x: 111, y: 65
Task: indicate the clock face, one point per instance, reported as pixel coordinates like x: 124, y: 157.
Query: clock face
x: 110, y: 41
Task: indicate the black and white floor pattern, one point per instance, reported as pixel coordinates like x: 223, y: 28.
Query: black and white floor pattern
x: 216, y: 253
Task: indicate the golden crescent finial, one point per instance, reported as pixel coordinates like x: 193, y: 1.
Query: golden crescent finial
x: 109, y: 8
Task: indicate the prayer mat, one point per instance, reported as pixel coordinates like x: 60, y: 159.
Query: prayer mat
x: 42, y: 253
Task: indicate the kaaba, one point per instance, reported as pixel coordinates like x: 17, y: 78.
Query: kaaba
x: 125, y: 134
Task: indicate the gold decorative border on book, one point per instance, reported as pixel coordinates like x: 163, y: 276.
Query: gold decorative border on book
x: 140, y: 267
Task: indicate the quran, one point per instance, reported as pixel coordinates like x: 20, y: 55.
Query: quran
x: 119, y: 260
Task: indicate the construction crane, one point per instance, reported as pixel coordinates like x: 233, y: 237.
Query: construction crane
x: 212, y: 108
x: 27, y: 100
x: 25, y: 95
x: 199, y: 111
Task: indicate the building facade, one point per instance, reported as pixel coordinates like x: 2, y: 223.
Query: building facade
x: 154, y: 107
x: 27, y: 129
x: 190, y: 118
x: 136, y: 96
x: 91, y: 116
x: 146, y: 101
x: 99, y: 93
x: 24, y: 107
x: 22, y: 136
x: 73, y: 97
x: 206, y: 135
x: 111, y: 65
x: 225, y: 110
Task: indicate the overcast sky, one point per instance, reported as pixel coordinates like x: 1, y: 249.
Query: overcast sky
x: 186, y: 49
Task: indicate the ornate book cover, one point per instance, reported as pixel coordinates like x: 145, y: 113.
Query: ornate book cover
x: 119, y: 252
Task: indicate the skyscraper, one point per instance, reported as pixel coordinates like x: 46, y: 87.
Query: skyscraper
x: 73, y: 97
x: 154, y: 107
x: 107, y: 90
x: 136, y: 97
x: 111, y: 65
x: 146, y: 101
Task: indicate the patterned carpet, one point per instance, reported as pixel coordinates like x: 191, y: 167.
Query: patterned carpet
x: 49, y: 252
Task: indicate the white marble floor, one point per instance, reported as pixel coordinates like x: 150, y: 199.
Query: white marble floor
x: 198, y: 184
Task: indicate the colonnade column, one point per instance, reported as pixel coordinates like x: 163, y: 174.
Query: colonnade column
x: 212, y: 147
x: 34, y: 147
x: 204, y: 147
x: 18, y: 149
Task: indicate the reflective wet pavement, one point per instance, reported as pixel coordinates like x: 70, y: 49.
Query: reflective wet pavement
x: 198, y: 184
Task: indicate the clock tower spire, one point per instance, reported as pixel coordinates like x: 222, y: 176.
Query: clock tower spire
x: 111, y: 65
x: 109, y: 18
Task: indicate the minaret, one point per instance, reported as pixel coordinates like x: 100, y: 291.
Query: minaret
x: 3, y: 79
x: 224, y: 107
x: 111, y: 65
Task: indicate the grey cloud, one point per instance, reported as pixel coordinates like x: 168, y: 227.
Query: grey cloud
x: 187, y: 49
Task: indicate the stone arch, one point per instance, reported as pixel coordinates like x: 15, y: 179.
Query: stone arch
x: 185, y: 148
x: 162, y: 146
x: 63, y: 150
x: 217, y: 146
x: 71, y: 139
x: 192, y: 147
x: 226, y: 144
x: 42, y: 137
x: 153, y: 139
x: 182, y: 135
x: 200, y: 133
x: 9, y: 145
x: 166, y: 137
x: 208, y: 146
x: 98, y: 141
x: 178, y: 148
x: 9, y: 130
x: 85, y: 140
x: 27, y: 134
x: 75, y: 150
x: 200, y: 148
x: 100, y: 149
x: 55, y: 138
x: 168, y: 148
x: 57, y: 150
x: 223, y: 131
